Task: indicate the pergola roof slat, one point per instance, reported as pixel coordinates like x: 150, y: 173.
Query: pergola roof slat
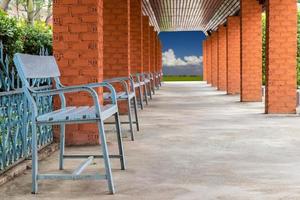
x: 189, y: 15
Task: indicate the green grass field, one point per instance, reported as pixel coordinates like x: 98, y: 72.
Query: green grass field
x: 182, y: 78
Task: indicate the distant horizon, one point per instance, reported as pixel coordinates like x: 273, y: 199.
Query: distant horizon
x: 182, y: 51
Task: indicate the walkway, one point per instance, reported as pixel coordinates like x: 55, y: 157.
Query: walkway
x: 196, y: 144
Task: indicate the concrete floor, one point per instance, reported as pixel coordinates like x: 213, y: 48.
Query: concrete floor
x: 196, y: 143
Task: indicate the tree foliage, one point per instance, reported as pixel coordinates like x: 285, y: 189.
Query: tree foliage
x: 29, y: 10
x: 11, y: 34
x: 18, y: 36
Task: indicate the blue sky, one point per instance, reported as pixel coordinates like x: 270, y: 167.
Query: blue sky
x: 182, y: 48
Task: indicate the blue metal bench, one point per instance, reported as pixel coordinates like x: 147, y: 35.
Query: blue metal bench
x: 138, y: 89
x: 160, y: 75
x: 152, y: 83
x: 141, y: 87
x: 147, y: 81
x: 127, y: 93
x: 31, y: 67
x: 157, y: 80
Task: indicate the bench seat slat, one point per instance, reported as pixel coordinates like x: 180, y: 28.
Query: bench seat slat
x: 77, y: 113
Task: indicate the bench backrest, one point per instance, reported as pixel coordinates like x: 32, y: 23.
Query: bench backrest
x: 34, y: 66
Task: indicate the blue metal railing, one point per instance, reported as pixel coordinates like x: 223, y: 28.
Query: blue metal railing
x: 15, y: 124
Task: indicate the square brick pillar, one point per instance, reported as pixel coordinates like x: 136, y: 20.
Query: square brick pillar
x: 281, y: 56
x: 233, y: 55
x: 204, y: 60
x: 155, y: 52
x: 158, y: 53
x: 251, y: 51
x: 116, y: 42
x: 222, y: 58
x: 146, y: 44
x: 160, y: 56
x: 116, y: 15
x: 77, y: 46
x: 152, y: 48
x: 214, y: 59
x: 136, y: 36
x: 208, y: 59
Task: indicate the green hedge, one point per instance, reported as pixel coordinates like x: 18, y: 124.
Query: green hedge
x: 182, y: 78
x: 18, y: 36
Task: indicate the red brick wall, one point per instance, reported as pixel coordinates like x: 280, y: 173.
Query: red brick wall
x: 152, y: 47
x: 155, y: 51
x: 116, y: 28
x: 281, y: 56
x: 222, y: 58
x: 251, y: 50
x: 136, y: 42
x: 204, y: 60
x: 77, y: 46
x: 233, y: 55
x: 146, y: 44
x: 208, y: 59
x: 214, y: 57
x: 159, y: 56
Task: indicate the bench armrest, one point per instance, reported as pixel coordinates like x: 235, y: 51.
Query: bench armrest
x: 123, y: 82
x: 79, y: 88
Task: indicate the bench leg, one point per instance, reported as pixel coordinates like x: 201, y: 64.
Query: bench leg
x: 160, y: 78
x: 62, y: 146
x: 146, y: 93
x: 149, y: 88
x: 153, y: 86
x: 106, y: 159
x: 34, y: 159
x: 136, y: 114
x: 130, y: 120
x: 120, y: 142
x: 141, y: 97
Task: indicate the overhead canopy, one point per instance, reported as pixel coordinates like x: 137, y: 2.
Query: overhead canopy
x: 189, y: 15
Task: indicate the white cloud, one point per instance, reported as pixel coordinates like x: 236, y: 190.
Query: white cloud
x: 169, y: 59
x: 193, y: 60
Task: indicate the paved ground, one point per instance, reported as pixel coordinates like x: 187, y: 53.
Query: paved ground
x: 196, y: 144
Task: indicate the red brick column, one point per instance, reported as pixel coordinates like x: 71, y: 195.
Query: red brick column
x: 146, y: 44
x: 158, y: 54
x: 208, y: 59
x: 155, y: 52
x: 136, y: 42
x: 204, y: 60
x: 158, y: 47
x: 77, y: 46
x: 281, y: 56
x: 116, y: 38
x: 214, y: 57
x: 251, y: 51
x: 160, y: 57
x: 222, y: 58
x: 152, y: 48
x: 233, y: 55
